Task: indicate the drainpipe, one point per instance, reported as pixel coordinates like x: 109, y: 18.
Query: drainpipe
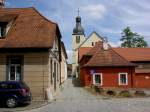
x: 60, y: 71
x: 131, y: 77
x: 43, y: 78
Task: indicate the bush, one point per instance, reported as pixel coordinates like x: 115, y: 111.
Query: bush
x: 140, y: 93
x: 111, y: 93
x: 125, y: 93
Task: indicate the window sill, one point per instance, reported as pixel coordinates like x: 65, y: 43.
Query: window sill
x: 123, y: 84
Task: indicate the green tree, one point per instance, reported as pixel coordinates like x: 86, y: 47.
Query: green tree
x: 131, y: 39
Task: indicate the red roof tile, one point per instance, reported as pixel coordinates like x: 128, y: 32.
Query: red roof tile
x: 83, y: 51
x: 134, y: 54
x: 102, y: 58
x: 29, y: 29
x: 98, y: 46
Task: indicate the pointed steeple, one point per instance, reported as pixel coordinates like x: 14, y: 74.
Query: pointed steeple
x: 78, y: 30
x: 2, y: 3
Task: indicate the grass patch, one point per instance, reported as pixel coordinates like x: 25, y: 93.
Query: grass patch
x: 124, y: 93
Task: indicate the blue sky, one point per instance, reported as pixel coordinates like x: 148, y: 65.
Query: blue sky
x: 106, y: 17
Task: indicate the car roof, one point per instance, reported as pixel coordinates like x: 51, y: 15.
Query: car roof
x: 9, y: 82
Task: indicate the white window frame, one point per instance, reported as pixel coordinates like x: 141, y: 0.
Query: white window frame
x: 119, y: 80
x: 100, y: 77
x: 9, y: 77
x: 15, y: 66
x: 0, y: 32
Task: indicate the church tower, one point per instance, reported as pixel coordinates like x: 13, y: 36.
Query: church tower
x: 78, y: 34
x: 78, y: 37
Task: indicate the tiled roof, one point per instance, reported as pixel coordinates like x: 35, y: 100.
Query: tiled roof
x: 29, y: 29
x: 83, y: 51
x: 134, y: 54
x: 103, y: 58
x: 98, y: 46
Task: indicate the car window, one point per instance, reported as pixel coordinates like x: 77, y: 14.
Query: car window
x: 3, y: 86
x: 12, y: 86
x: 8, y: 86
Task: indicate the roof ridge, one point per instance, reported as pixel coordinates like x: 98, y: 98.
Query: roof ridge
x: 88, y: 38
x: 36, y: 11
x: 110, y: 53
x: 19, y: 35
x: 47, y: 20
x: 18, y: 8
x: 44, y: 16
x: 96, y: 34
x: 131, y: 48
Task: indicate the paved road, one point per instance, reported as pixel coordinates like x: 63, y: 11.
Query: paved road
x: 76, y: 99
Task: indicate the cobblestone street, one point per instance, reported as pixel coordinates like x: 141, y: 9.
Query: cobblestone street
x: 76, y: 99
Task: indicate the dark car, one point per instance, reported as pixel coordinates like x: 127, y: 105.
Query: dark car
x: 13, y: 93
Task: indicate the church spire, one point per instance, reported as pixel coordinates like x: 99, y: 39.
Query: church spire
x: 78, y: 11
x: 2, y: 3
x: 78, y: 30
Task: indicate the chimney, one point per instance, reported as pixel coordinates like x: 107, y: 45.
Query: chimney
x: 105, y: 43
x: 2, y: 3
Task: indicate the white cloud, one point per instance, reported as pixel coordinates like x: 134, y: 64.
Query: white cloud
x: 94, y: 11
x: 110, y: 30
x: 115, y: 44
x: 69, y: 53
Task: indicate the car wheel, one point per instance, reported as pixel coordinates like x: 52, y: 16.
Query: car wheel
x: 11, y: 102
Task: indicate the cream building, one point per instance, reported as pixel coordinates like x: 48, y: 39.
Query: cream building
x: 63, y: 63
x: 80, y: 40
x: 34, y: 58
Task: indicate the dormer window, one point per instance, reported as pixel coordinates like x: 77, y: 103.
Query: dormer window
x: 3, y: 29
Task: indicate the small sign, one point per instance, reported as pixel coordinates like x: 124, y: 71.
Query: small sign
x: 147, y: 77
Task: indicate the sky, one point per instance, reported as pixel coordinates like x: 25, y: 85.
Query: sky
x: 107, y: 17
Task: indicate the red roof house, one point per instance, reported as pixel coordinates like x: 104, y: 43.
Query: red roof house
x: 30, y: 50
x: 111, y: 67
x: 141, y: 57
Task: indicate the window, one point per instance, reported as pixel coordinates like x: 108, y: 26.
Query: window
x: 123, y: 79
x: 77, y: 39
x: 92, y: 43
x: 51, y: 71
x: 3, y: 29
x: 12, y: 86
x: 3, y: 86
x: 7, y: 86
x: 97, y: 78
x: 15, y: 69
x: 57, y: 73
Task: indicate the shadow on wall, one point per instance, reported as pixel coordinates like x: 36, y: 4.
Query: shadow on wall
x: 76, y: 82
